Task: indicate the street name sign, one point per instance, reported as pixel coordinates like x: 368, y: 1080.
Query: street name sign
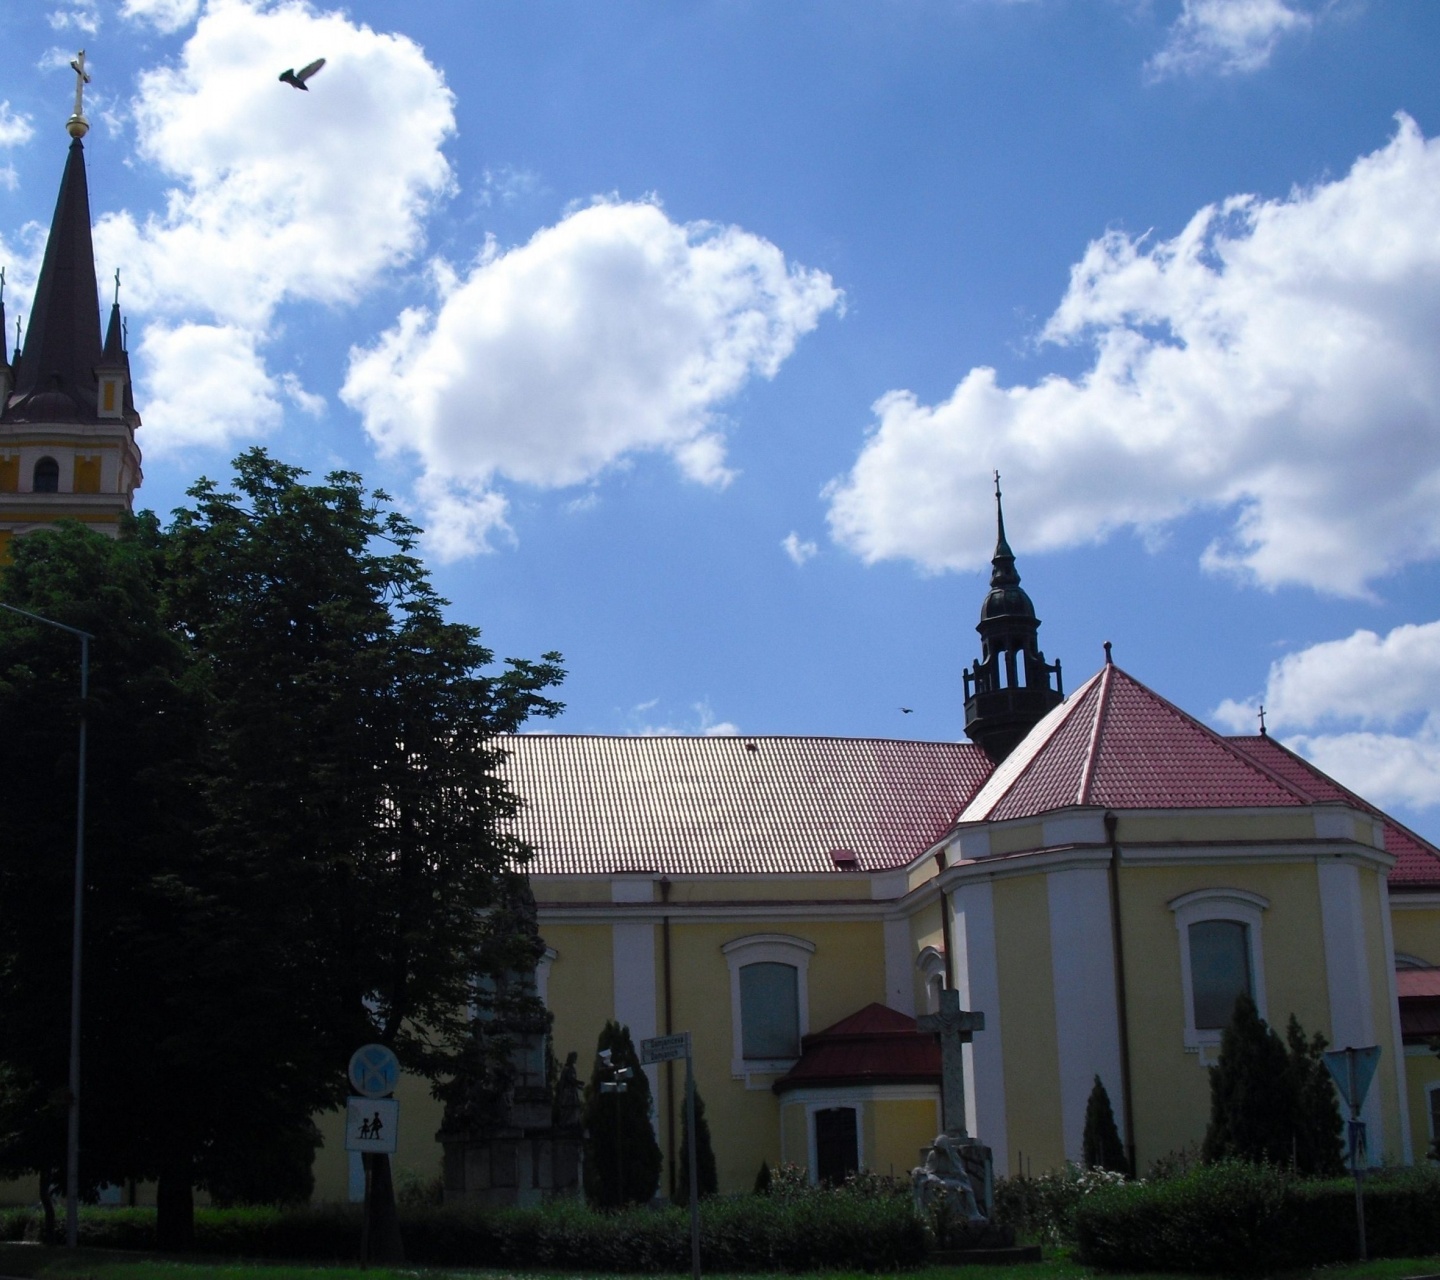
x: 665, y: 1048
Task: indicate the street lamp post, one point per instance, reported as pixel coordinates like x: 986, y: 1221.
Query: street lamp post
x: 72, y: 1136
x: 617, y: 1084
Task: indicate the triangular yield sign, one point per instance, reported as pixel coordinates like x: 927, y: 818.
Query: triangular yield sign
x: 1352, y: 1071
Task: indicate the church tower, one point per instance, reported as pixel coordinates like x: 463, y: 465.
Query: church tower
x: 67, y: 419
x: 1008, y: 689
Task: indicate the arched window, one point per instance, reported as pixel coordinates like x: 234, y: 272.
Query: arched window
x: 768, y: 1001
x: 1220, y: 958
x: 46, y: 476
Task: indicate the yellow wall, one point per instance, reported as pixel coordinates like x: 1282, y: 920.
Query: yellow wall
x: 898, y: 1132
x: 1027, y: 998
x: 1171, y: 1087
x: 87, y: 473
x: 10, y: 474
x: 1416, y: 930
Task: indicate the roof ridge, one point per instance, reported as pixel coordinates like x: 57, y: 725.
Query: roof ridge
x: 1092, y: 751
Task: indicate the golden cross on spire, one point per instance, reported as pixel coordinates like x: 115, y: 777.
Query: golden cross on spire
x: 77, y: 125
x: 117, y: 286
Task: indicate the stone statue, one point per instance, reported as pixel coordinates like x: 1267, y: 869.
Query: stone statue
x: 943, y: 1183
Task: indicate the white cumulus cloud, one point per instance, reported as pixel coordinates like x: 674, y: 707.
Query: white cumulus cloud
x: 1276, y: 359
x: 15, y: 128
x: 1365, y: 708
x: 206, y: 386
x: 614, y: 332
x: 277, y: 196
x: 799, y: 551
x: 1226, y: 36
x: 166, y: 16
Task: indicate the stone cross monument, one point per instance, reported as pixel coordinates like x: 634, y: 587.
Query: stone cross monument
x: 957, y: 1172
x: 955, y: 1028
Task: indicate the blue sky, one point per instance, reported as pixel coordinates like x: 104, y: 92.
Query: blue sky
x: 693, y: 332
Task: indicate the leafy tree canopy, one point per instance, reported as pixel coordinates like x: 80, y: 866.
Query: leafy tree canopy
x: 295, y: 831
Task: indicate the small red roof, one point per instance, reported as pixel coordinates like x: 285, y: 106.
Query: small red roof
x: 877, y: 1045
x: 1419, y: 992
x: 1117, y: 744
x: 1417, y: 983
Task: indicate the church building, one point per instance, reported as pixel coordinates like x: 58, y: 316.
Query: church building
x: 1095, y: 875
x: 67, y: 416
x: 1099, y: 875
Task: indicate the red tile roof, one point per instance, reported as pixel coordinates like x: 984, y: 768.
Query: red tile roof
x: 1114, y: 743
x: 877, y: 1045
x: 1417, y: 861
x: 782, y: 805
x: 725, y: 805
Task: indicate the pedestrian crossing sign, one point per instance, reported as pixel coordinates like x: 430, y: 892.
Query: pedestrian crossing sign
x: 371, y: 1125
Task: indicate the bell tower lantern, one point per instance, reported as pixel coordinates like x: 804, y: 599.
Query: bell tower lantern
x: 1008, y: 689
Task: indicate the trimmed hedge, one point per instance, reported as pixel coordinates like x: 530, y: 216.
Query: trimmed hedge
x: 747, y: 1233
x: 1240, y: 1218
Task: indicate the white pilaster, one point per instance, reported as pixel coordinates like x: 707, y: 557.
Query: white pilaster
x: 634, y: 960
x: 1347, y: 975
x: 899, y: 967
x: 977, y: 981
x: 1087, y: 1024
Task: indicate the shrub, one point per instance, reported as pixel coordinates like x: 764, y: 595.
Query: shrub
x: 1236, y: 1217
x: 867, y: 1224
x: 1042, y: 1208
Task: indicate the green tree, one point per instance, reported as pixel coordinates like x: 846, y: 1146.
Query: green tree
x: 706, y: 1177
x: 1101, y: 1145
x: 350, y: 770
x: 144, y: 719
x: 1272, y: 1103
x: 296, y: 833
x: 622, y: 1157
x: 1318, y: 1141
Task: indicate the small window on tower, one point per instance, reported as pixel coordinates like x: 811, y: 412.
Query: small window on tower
x: 46, y: 476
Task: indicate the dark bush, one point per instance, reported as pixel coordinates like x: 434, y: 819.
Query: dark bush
x: 1237, y: 1218
x: 860, y: 1226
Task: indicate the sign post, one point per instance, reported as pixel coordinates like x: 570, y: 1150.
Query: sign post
x: 372, y: 1121
x: 667, y: 1049
x: 1353, y: 1070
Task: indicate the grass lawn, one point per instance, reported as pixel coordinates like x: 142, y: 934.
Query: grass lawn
x: 98, y: 1264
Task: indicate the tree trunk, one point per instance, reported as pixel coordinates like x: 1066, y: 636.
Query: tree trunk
x: 47, y: 1203
x: 175, y: 1209
x: 385, y: 1243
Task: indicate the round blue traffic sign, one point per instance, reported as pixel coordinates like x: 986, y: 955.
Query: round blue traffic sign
x: 374, y: 1071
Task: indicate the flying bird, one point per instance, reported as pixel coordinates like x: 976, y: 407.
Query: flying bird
x: 906, y: 710
x: 297, y: 78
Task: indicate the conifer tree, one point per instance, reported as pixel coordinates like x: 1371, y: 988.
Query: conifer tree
x: 1252, y: 1093
x: 705, y: 1175
x: 622, y: 1157
x: 1102, y: 1148
x: 1318, y: 1126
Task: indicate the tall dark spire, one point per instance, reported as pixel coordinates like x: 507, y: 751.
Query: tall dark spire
x: 55, y: 377
x: 1008, y: 689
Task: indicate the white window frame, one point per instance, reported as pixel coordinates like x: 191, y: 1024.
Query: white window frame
x: 1431, y: 1090
x: 765, y: 948
x: 930, y: 964
x: 1239, y: 905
